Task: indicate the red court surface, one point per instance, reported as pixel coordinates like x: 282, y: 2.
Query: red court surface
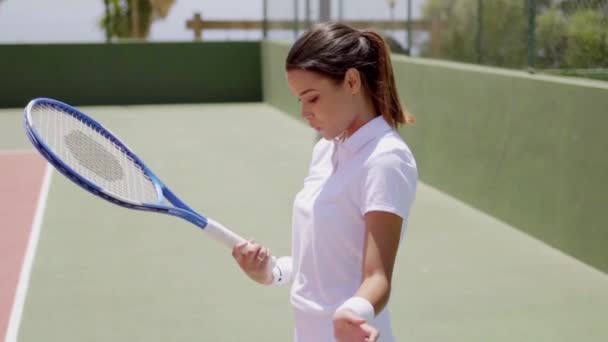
x: 21, y: 182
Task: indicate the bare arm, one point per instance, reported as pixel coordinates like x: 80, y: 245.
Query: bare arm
x: 383, y: 230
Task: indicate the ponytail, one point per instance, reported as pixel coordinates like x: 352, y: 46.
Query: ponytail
x: 385, y: 97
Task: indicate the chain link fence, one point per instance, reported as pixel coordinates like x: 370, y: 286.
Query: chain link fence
x: 566, y: 37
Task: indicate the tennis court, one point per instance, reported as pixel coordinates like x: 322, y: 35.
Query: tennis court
x: 103, y: 273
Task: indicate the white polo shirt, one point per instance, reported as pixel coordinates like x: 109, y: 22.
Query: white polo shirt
x: 373, y: 170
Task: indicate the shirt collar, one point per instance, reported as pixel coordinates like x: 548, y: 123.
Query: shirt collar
x: 373, y: 128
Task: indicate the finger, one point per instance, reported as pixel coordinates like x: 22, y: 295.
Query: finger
x: 238, y: 252
x: 238, y: 248
x: 266, y: 252
x: 241, y: 247
x: 349, y: 333
x: 252, y: 244
x: 261, y: 255
x: 371, y: 332
x: 250, y: 259
x: 253, y: 250
x: 353, y: 318
x: 262, y: 258
x: 247, y: 248
x: 372, y: 338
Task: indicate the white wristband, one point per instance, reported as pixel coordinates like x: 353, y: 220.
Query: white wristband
x: 282, y: 271
x: 360, y: 306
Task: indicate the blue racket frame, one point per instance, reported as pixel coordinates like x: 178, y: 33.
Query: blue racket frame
x: 179, y: 209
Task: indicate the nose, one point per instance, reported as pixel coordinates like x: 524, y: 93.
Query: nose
x: 306, y: 114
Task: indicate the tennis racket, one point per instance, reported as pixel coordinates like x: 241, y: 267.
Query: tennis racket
x: 96, y: 160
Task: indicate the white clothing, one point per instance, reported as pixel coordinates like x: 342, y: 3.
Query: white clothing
x: 373, y: 170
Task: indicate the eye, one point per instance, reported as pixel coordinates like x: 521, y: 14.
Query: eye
x: 314, y: 99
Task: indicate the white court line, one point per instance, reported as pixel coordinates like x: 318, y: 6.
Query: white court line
x: 28, y: 261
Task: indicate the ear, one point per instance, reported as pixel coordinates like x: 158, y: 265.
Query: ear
x: 352, y: 80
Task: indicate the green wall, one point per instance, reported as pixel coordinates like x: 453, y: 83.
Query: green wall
x: 528, y: 149
x: 130, y: 73
x: 274, y: 83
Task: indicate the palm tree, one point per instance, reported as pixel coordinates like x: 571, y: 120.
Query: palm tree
x: 132, y: 18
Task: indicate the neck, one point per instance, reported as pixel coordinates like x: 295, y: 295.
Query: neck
x: 365, y: 113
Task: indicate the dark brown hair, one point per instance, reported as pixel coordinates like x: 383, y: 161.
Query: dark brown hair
x: 330, y: 49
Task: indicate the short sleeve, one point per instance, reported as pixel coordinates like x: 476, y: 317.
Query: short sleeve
x: 389, y: 184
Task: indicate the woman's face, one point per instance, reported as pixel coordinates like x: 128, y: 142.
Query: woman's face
x: 325, y: 103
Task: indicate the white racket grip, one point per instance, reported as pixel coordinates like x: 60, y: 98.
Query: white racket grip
x: 222, y: 234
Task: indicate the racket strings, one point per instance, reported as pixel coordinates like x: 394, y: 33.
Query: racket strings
x: 92, y: 154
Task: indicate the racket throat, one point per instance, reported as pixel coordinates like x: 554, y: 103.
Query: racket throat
x: 182, y: 210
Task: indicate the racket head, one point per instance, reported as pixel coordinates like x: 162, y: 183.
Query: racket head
x: 98, y: 161
x: 72, y: 137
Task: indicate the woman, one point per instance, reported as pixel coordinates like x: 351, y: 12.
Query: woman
x: 350, y: 215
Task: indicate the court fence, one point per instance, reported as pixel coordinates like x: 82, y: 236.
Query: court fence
x: 565, y: 37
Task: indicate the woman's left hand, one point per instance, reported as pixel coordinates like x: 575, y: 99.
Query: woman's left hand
x: 348, y: 327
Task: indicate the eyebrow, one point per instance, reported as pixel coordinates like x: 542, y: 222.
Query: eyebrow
x: 306, y: 91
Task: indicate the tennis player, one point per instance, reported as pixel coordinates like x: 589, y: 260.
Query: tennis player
x: 350, y: 216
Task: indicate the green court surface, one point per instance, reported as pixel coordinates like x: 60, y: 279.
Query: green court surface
x: 104, y: 273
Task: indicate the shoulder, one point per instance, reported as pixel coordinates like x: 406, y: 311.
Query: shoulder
x: 389, y: 176
x: 391, y: 151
